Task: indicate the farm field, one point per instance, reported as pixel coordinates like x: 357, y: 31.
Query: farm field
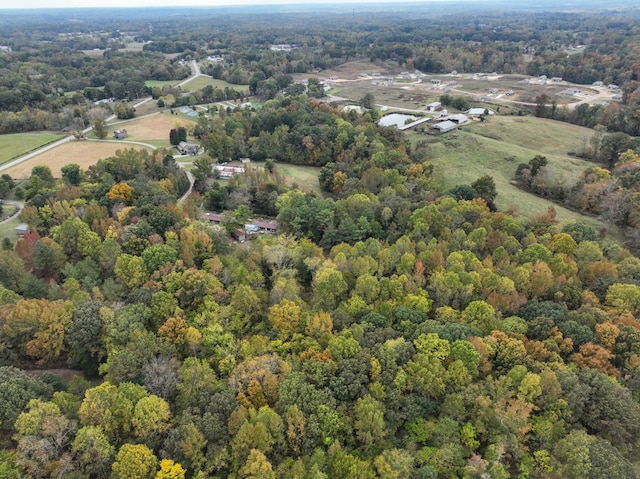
x: 14, y: 145
x: 84, y: 153
x: 153, y: 127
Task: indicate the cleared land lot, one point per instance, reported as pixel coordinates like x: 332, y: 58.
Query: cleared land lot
x: 84, y: 153
x: 12, y: 146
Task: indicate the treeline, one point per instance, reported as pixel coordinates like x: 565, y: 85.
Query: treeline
x: 40, y: 79
x: 610, y: 194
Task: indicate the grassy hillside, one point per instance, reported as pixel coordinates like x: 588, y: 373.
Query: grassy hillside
x: 496, y: 148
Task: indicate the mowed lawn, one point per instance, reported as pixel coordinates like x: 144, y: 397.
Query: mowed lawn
x: 305, y: 177
x: 499, y: 146
x: 14, y: 145
x: 8, y: 229
x: 200, y: 82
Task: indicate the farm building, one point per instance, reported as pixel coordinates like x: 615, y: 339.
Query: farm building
x: 264, y: 226
x: 443, y: 127
x: 185, y: 148
x: 479, y: 111
x: 435, y: 106
x: 120, y: 134
x: 239, y: 235
x: 458, y: 118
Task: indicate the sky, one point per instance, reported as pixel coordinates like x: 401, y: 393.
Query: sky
x: 165, y: 3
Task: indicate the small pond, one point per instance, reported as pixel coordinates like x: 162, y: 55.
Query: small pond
x: 396, y: 119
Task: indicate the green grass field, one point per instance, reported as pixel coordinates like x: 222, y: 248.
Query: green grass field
x: 7, y: 230
x: 160, y: 83
x: 306, y: 177
x: 14, y: 145
x: 200, y: 82
x: 499, y: 146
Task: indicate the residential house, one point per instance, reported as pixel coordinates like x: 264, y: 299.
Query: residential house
x: 22, y: 229
x: 120, y: 134
x: 185, y: 148
x: 228, y: 171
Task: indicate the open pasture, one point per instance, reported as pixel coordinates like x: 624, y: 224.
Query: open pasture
x: 497, y: 148
x: 14, y: 145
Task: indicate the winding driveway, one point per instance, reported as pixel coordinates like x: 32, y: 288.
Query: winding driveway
x: 19, y: 204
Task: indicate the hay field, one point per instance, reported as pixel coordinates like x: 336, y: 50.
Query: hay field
x: 154, y: 127
x: 84, y: 153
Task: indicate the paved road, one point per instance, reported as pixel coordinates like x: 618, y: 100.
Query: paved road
x: 58, y: 143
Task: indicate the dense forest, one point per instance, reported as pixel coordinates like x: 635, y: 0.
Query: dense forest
x: 392, y: 329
